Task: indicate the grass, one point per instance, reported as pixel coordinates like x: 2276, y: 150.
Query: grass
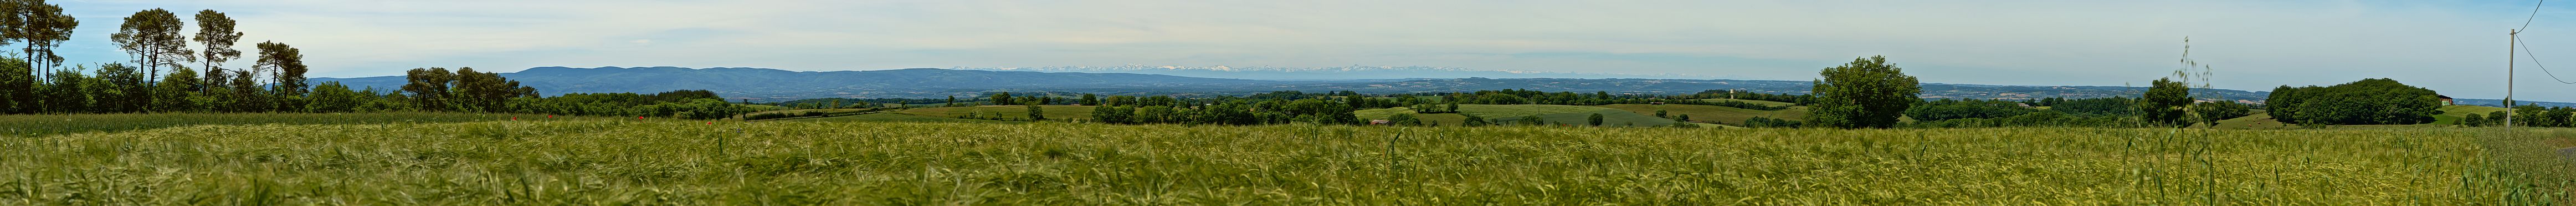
x: 2451, y: 114
x: 1053, y: 112
x: 838, y: 163
x: 44, y: 125
x: 1712, y: 114
x: 2258, y: 120
x: 1763, y: 103
x: 1491, y: 111
x: 1609, y: 118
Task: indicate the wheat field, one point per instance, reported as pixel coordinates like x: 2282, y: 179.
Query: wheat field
x: 865, y: 163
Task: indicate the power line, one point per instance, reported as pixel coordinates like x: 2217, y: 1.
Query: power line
x: 2535, y: 61
x: 2535, y: 14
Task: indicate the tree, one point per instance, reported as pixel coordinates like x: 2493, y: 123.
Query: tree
x: 1089, y: 100
x: 331, y: 96
x: 1404, y: 120
x: 125, y: 90
x: 1866, y: 93
x: 2368, y: 101
x: 2473, y: 120
x: 1474, y: 121
x: 1453, y: 107
x: 215, y: 30
x: 246, y: 95
x: 485, y: 91
x: 17, y: 87
x: 1003, y: 98
x: 1532, y: 120
x: 70, y: 92
x: 1684, y: 118
x: 43, y: 27
x: 152, y: 36
x: 1112, y: 115
x: 287, y: 64
x: 1595, y: 119
x: 176, y: 92
x: 428, y: 88
x: 1660, y: 114
x: 2164, y: 103
x: 2211, y: 112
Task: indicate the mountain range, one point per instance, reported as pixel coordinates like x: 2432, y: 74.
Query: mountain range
x: 1332, y: 73
x: 771, y: 85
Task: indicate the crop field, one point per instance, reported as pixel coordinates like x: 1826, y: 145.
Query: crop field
x: 1047, y: 163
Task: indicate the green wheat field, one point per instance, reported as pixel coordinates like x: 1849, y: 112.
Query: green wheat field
x: 477, y: 159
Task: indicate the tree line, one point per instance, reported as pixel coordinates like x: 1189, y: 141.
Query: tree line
x: 38, y: 82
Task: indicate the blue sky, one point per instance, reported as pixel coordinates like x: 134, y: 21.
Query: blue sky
x: 2455, y: 47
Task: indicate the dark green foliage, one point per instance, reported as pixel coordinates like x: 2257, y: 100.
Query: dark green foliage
x: 2473, y: 120
x: 1088, y: 99
x: 2164, y: 102
x: 120, y: 89
x: 69, y: 93
x: 176, y: 92
x: 1948, y: 109
x: 1037, y: 113
x: 1532, y: 120
x: 2211, y: 112
x: 1866, y: 93
x: 1113, y: 115
x: 1595, y: 120
x: 1684, y: 118
x: 1766, y: 122
x: 334, y: 97
x: 1661, y: 114
x: 17, y: 87
x: 2369, y: 101
x: 1475, y: 121
x: 1404, y: 120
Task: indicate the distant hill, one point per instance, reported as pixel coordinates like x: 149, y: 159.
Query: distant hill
x: 770, y: 85
x: 1334, y: 73
x: 779, y: 85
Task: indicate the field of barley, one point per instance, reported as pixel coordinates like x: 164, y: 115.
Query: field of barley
x: 626, y: 161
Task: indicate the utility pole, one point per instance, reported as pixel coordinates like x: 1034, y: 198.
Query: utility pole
x: 2514, y: 39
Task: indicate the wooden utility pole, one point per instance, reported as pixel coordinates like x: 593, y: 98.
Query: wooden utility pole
x: 2513, y: 40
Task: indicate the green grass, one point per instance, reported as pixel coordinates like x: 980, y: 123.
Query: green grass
x: 1763, y: 103
x: 889, y: 117
x: 1053, y: 112
x: 2258, y: 120
x: 876, y: 163
x: 1490, y: 111
x: 1712, y: 114
x: 42, y: 125
x: 2451, y: 114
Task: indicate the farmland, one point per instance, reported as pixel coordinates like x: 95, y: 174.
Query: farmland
x: 625, y: 161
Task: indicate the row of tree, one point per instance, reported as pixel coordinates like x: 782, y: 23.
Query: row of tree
x: 38, y: 82
x: 2369, y: 101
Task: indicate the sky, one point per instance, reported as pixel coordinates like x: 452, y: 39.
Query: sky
x: 2454, y: 47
